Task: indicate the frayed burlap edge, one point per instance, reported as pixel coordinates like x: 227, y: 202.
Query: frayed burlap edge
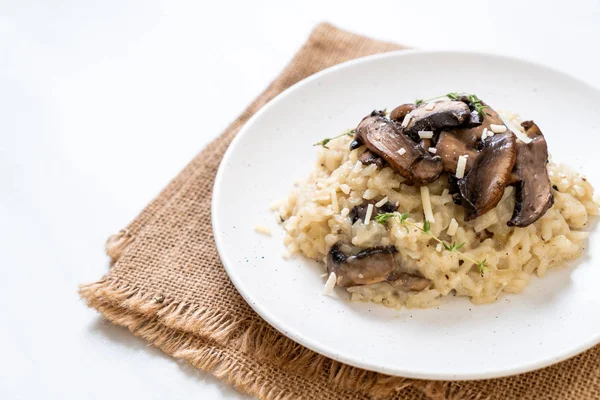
x: 164, y: 322
x: 179, y: 328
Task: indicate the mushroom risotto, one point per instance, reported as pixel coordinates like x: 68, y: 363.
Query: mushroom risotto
x: 440, y: 197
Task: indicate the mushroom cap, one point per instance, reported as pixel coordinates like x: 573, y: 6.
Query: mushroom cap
x: 383, y: 138
x: 446, y: 114
x: 534, y: 190
x: 372, y: 265
x: 483, y: 187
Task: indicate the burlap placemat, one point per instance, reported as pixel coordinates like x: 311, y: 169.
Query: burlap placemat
x: 168, y: 286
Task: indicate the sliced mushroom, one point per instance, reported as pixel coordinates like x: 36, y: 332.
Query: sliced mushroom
x: 445, y: 115
x: 472, y: 134
x: 408, y: 282
x: 400, y: 112
x: 382, y: 137
x: 359, y: 212
x: 483, y: 187
x: 534, y: 190
x: 464, y: 141
x: 450, y: 146
x: 368, y: 157
x: 372, y: 265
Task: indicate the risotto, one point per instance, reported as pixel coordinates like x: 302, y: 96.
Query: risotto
x: 401, y: 240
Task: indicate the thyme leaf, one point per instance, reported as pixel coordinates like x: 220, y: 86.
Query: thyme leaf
x: 350, y: 132
x: 453, y: 247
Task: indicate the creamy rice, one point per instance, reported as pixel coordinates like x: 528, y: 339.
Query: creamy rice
x: 316, y: 212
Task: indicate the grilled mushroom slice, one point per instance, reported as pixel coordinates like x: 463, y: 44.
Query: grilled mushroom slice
x: 445, y: 115
x: 464, y: 141
x: 359, y: 212
x: 409, y: 159
x: 533, y: 191
x: 368, y: 157
x: 372, y: 265
x: 400, y: 112
x: 483, y: 187
x: 408, y: 282
x: 451, y: 146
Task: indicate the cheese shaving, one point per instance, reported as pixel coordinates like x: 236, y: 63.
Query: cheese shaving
x: 401, y: 151
x: 426, y: 199
x: 460, y: 167
x: 429, y: 106
x: 517, y: 132
x: 498, y: 128
x: 432, y: 150
x: 368, y: 214
x: 381, y: 202
x: 425, y: 134
x: 406, y: 120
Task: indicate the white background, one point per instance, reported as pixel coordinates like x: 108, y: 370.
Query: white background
x: 101, y: 103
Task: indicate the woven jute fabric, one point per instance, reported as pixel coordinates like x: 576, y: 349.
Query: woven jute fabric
x: 167, y: 285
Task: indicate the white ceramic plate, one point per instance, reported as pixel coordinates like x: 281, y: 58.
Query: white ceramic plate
x: 554, y: 318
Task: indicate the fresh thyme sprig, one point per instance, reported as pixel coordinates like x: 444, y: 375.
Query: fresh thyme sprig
x: 453, y: 96
x: 477, y: 105
x: 473, y: 99
x: 324, y: 142
x: 426, y: 229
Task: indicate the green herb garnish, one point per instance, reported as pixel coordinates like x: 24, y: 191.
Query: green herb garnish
x: 477, y: 105
x: 426, y: 229
x: 324, y: 142
x: 473, y: 99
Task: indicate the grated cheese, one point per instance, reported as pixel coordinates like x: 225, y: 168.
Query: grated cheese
x: 426, y: 199
x: 498, y: 128
x: 406, y: 120
x: 522, y: 137
x: 438, y: 248
x: 452, y: 228
x: 402, y: 151
x: 334, y: 201
x: 381, y: 202
x: 460, y: 166
x: 330, y: 284
x: 484, y: 134
x: 432, y: 150
x: 368, y: 214
x: 517, y: 132
x: 425, y: 134
x: 429, y: 106
x: 262, y: 229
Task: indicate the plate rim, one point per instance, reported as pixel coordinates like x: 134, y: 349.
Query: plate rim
x: 358, y: 362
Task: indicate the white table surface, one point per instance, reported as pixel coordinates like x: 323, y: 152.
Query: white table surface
x: 101, y: 103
